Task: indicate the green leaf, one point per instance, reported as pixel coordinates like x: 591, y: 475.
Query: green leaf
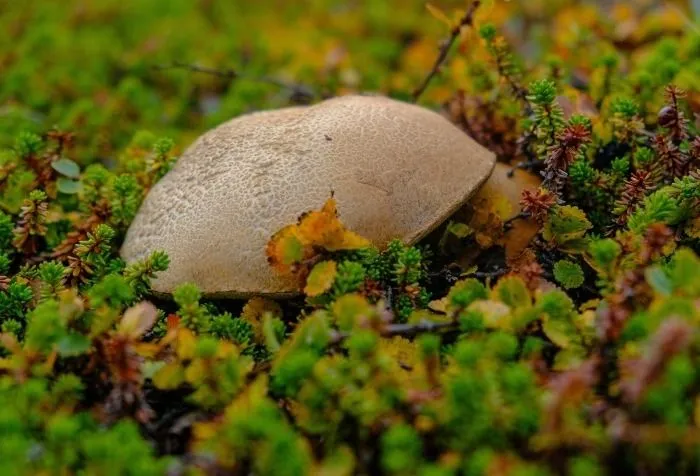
x: 512, y: 291
x: 293, y: 250
x: 568, y: 274
x: 66, y: 167
x: 169, y: 376
x: 659, y: 280
x: 73, y: 344
x: 269, y: 334
x: 560, y: 331
x: 566, y: 226
x: 348, y: 308
x: 570, y: 358
x: 67, y: 186
x: 151, y: 368
x: 684, y: 272
x: 460, y: 230
x: 496, y: 315
x: 341, y: 462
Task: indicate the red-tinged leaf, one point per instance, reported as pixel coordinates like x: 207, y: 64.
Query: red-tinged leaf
x: 172, y: 321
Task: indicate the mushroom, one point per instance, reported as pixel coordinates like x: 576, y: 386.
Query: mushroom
x: 397, y: 170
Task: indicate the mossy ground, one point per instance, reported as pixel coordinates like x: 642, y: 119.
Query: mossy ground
x: 474, y: 353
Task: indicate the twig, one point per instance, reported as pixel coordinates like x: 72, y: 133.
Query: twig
x: 529, y: 164
x: 489, y: 274
x: 467, y: 20
x: 404, y: 329
x: 300, y: 92
x: 509, y: 222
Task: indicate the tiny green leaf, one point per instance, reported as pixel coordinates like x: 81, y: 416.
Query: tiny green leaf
x: 66, y: 167
x: 460, y: 230
x: 73, y: 344
x: 568, y: 274
x: 67, y: 186
x: 659, y: 281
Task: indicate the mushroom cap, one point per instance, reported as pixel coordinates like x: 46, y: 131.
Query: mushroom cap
x: 397, y: 171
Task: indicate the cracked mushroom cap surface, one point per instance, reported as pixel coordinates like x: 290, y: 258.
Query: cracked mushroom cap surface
x: 397, y: 170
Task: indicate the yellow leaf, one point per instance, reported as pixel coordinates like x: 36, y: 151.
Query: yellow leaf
x: 438, y: 305
x: 318, y: 227
x: 693, y: 228
x: 196, y: 372
x: 496, y: 314
x: 438, y: 14
x: 348, y: 308
x: 147, y: 349
x: 502, y: 206
x: 402, y: 351
x: 186, y: 343
x: 226, y: 349
x: 350, y: 241
x: 323, y: 228
x: 254, y: 394
x: 138, y: 319
x: 169, y: 376
x: 321, y: 278
x: 460, y: 230
x: 512, y: 291
x: 9, y: 341
x: 285, y: 248
x: 341, y: 462
x: 205, y: 430
x: 314, y: 232
x: 253, y: 312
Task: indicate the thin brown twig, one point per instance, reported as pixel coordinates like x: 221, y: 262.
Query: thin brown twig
x: 300, y: 92
x: 467, y: 20
x: 507, y: 224
x: 404, y: 329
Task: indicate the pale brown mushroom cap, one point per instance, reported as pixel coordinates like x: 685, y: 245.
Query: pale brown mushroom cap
x: 397, y: 170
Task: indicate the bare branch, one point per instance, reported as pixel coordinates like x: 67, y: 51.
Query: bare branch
x: 467, y: 20
x: 300, y: 92
x: 405, y: 329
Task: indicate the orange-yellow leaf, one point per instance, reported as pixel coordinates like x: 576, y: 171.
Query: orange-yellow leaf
x: 438, y: 14
x: 186, y: 343
x: 147, y: 349
x: 350, y: 241
x: 314, y: 232
x: 196, y: 372
x: 254, y: 310
x: 285, y: 248
x: 205, y: 431
x: 321, y: 227
x: 321, y: 278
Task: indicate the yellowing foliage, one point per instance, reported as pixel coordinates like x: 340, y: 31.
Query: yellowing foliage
x: 315, y: 231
